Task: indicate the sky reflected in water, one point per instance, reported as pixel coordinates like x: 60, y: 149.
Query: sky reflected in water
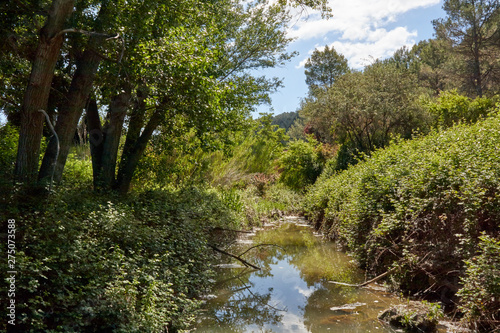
x: 292, y: 293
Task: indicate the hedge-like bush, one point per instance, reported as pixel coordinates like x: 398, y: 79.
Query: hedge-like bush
x: 480, y: 294
x: 99, y: 263
x: 420, y: 205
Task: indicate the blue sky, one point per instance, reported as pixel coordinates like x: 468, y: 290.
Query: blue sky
x: 361, y: 30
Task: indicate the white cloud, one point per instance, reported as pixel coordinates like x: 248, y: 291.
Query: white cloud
x: 359, y: 26
x: 305, y: 292
x: 354, y: 19
x: 384, y: 45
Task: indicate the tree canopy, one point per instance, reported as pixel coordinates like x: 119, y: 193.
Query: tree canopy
x: 323, y: 68
x: 154, y: 67
x: 472, y: 28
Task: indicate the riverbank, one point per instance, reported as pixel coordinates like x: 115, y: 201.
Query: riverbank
x: 88, y: 262
x: 426, y: 209
x: 303, y: 260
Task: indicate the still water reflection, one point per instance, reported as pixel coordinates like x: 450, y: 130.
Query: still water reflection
x: 292, y: 293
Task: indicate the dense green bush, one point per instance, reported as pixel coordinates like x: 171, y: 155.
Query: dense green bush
x: 185, y: 159
x: 480, y: 294
x: 98, y: 263
x: 255, y: 152
x: 419, y: 205
x: 78, y: 168
x: 301, y: 163
x: 276, y: 200
x: 8, y: 149
x: 451, y: 108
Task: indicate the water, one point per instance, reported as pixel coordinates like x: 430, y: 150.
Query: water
x: 291, y: 292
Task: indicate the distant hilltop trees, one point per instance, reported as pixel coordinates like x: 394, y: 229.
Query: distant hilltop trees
x: 285, y: 120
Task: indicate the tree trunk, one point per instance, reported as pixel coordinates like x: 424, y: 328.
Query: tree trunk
x: 69, y: 115
x: 37, y: 92
x: 113, y: 131
x: 96, y: 138
x: 104, y: 142
x: 136, y: 123
x: 131, y: 159
x: 71, y: 110
x: 477, y: 75
x: 476, y: 50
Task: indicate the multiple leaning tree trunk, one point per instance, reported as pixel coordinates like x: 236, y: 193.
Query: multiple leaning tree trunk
x: 69, y: 114
x: 135, y: 145
x: 104, y: 139
x: 37, y: 92
x: 75, y: 99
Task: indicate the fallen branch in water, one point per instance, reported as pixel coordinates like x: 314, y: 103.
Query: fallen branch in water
x: 375, y: 279
x: 243, y: 261
x: 245, y: 271
x: 233, y: 230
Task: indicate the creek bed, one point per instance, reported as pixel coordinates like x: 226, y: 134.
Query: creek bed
x: 291, y: 292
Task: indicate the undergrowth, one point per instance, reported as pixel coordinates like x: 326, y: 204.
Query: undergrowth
x: 102, y: 263
x: 420, y: 206
x: 268, y: 203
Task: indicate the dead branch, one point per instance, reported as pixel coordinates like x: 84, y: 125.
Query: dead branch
x: 58, y: 147
x: 239, y: 289
x: 233, y: 230
x: 97, y: 34
x: 375, y: 279
x: 245, y: 271
x: 87, y: 33
x: 243, y: 261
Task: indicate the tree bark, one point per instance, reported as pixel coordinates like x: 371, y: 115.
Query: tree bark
x: 131, y: 159
x: 96, y: 138
x: 477, y: 75
x: 69, y: 114
x: 476, y: 55
x: 104, y: 142
x: 113, y: 131
x: 136, y: 123
x: 78, y: 94
x: 37, y: 92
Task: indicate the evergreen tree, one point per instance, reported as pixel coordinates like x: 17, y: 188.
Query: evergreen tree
x: 472, y: 28
x: 324, y: 67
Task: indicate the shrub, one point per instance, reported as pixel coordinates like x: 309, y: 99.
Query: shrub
x: 8, y: 149
x: 301, y: 164
x: 413, y: 316
x: 480, y: 294
x: 78, y: 168
x: 98, y: 263
x: 419, y: 205
x: 452, y: 108
x: 277, y: 199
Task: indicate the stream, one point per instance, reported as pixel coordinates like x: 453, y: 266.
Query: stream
x: 291, y: 292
